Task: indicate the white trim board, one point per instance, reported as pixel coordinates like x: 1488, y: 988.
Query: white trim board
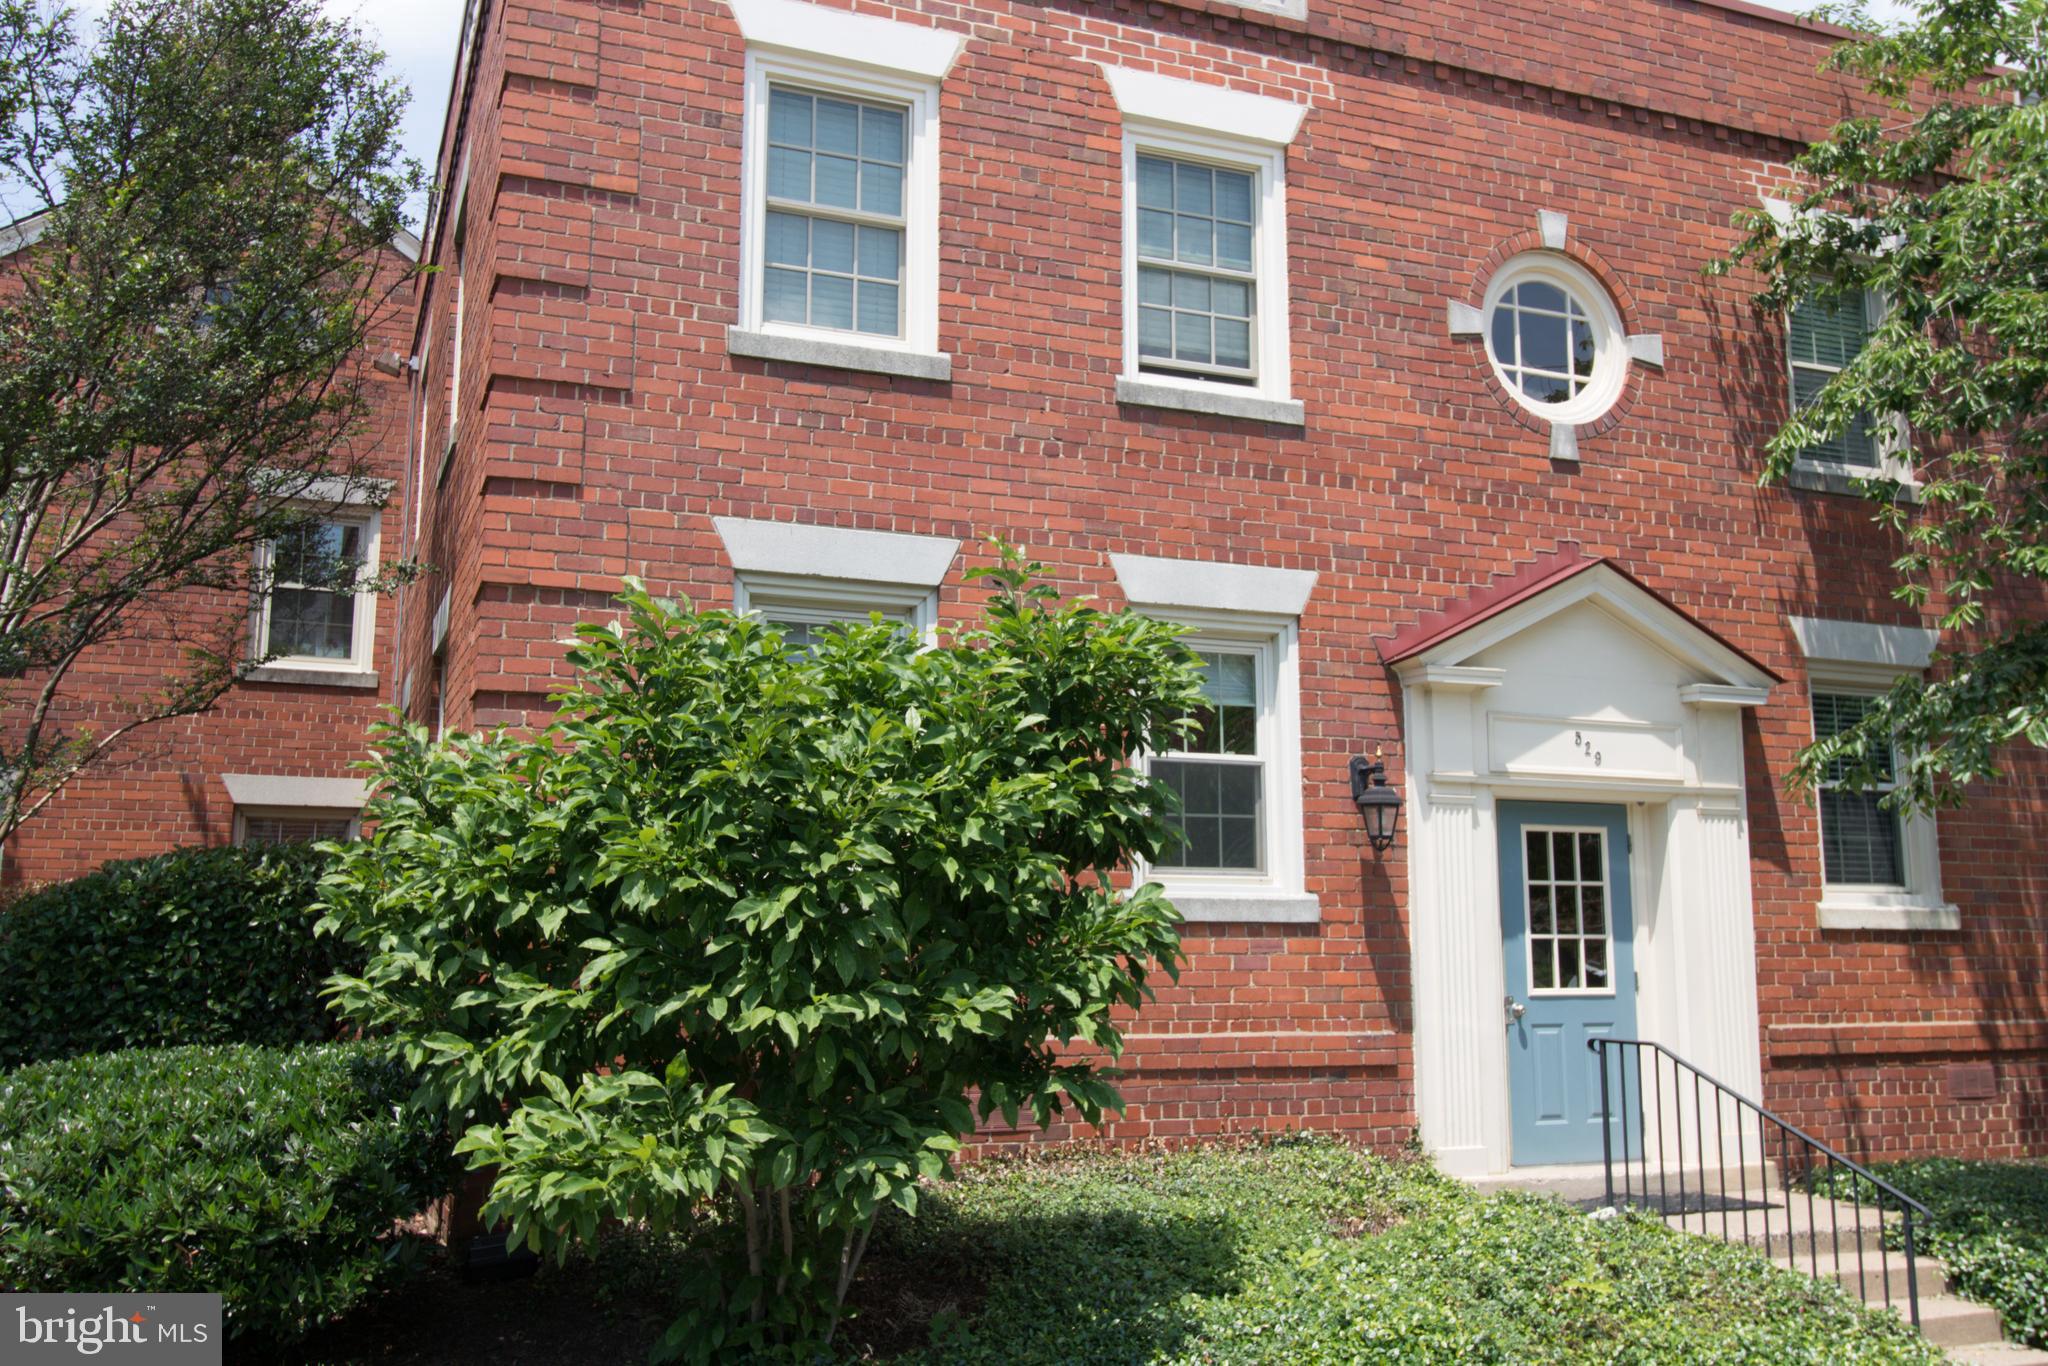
x: 1204, y: 107
x: 792, y: 549
x: 1908, y: 649
x: 284, y: 790
x: 843, y: 36
x: 1212, y: 586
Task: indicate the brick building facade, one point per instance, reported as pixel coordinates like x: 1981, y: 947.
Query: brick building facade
x: 273, y: 759
x: 1370, y: 340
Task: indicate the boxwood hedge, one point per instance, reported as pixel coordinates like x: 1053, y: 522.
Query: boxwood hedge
x: 270, y: 1176
x: 194, y: 946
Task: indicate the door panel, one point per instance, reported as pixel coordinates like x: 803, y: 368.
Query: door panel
x: 1568, y: 944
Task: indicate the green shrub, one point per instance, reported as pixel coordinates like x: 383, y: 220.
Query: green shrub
x: 194, y: 946
x: 1989, y: 1227
x: 270, y: 1176
x: 807, y: 909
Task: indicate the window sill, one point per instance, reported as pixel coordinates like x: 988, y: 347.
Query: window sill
x: 838, y: 355
x: 1217, y: 400
x: 318, y: 678
x: 1246, y: 908
x: 1858, y: 913
x: 1814, y: 479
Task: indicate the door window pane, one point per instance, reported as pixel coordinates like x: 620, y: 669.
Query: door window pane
x: 1565, y: 888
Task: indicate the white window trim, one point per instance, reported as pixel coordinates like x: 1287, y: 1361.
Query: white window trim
x: 822, y: 602
x: 1888, y: 431
x: 362, y: 658
x: 1278, y: 893
x: 1919, y: 904
x: 1610, y: 370
x: 1269, y: 397
x: 916, y: 352
x: 242, y: 813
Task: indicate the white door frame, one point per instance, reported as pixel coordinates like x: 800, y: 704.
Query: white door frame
x: 1676, y: 763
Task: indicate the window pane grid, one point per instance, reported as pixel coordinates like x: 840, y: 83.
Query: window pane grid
x: 1544, y: 341
x: 312, y: 615
x: 1570, y: 936
x: 1861, y: 839
x: 833, y: 257
x: 1218, y: 773
x: 1825, y: 336
x: 1197, y: 282
x: 304, y: 829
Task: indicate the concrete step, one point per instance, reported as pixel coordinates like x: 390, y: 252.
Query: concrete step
x: 1998, y: 1354
x: 1585, y: 1184
x: 1869, y: 1275
x: 1948, y: 1322
x: 1767, y: 1222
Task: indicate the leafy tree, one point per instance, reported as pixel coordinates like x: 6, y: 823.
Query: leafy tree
x: 751, y: 934
x: 202, y: 198
x: 1939, y: 203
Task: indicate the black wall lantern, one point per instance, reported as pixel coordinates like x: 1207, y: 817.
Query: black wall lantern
x: 1378, y: 803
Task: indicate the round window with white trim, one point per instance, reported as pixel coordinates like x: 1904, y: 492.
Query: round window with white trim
x: 1554, y: 338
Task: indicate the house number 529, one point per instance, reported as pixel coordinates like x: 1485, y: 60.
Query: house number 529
x: 1579, y: 739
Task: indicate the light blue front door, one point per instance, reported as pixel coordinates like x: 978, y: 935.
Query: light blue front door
x: 1568, y: 936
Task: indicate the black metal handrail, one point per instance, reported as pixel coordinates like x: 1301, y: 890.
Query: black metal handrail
x: 1797, y: 1151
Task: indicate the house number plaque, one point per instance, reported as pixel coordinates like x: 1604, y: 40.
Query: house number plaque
x: 1576, y: 747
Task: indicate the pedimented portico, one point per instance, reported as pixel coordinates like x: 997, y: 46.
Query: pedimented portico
x: 1570, y: 689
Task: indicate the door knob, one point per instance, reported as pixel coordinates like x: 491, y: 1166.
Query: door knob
x: 1515, y: 1009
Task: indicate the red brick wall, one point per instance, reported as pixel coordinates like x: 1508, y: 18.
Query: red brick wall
x: 162, y: 789
x: 603, y: 151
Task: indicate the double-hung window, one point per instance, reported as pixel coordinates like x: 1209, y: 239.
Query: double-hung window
x: 1198, y: 280
x: 835, y: 212
x: 1205, y: 247
x: 1862, y: 843
x: 1880, y: 869
x: 1218, y: 771
x: 313, y: 614
x: 839, y: 225
x: 1824, y: 337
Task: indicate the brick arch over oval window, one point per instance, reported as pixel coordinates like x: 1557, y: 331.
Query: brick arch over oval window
x: 1552, y: 236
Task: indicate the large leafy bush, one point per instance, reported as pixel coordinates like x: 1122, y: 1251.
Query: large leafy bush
x: 269, y: 1176
x: 193, y: 946
x: 1989, y: 1227
x: 750, y: 925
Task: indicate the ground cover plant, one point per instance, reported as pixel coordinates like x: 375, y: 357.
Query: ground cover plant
x: 197, y: 946
x: 1989, y: 1227
x: 273, y: 1177
x: 1291, y: 1250
x: 738, y: 941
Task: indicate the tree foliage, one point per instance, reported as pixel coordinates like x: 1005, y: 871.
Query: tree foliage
x: 758, y: 930
x: 1938, y: 203
x: 202, y: 194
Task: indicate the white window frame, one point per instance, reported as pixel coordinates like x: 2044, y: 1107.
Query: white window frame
x: 242, y: 813
x: 1272, y: 346
x: 823, y: 602
x: 1278, y: 890
x: 1916, y: 904
x: 920, y: 283
x: 363, y: 644
x: 1604, y: 387
x: 1888, y: 431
